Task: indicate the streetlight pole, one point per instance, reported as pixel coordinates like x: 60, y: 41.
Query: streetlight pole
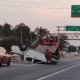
x: 31, y: 37
x: 21, y: 38
x: 58, y: 39
x: 22, y: 56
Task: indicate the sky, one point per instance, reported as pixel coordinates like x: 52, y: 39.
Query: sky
x: 38, y: 13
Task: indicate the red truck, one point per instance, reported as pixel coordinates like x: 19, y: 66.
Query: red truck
x: 4, y: 57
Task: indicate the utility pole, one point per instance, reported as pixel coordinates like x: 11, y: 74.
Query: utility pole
x: 58, y: 39
x: 31, y: 37
x: 22, y: 56
x: 58, y: 34
x: 21, y: 38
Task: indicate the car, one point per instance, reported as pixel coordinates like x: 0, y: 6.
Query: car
x: 4, y: 57
x: 34, y: 56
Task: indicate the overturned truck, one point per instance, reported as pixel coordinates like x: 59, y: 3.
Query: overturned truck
x: 38, y: 54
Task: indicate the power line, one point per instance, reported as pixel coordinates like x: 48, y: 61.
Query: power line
x: 47, y: 8
x: 32, y: 7
x: 40, y: 3
x: 31, y: 2
x: 10, y: 1
x: 10, y: 6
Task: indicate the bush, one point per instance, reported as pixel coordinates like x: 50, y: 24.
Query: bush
x: 6, y: 43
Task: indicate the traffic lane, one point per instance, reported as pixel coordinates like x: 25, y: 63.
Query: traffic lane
x: 15, y: 66
x: 19, y: 71
x: 23, y: 72
x: 71, y: 73
x: 31, y: 72
x: 7, y: 72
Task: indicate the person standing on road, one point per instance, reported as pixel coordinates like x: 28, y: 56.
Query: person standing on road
x: 48, y: 55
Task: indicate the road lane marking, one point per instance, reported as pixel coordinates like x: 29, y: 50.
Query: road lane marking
x: 42, y: 78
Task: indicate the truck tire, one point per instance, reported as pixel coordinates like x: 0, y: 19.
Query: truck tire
x: 9, y: 62
x: 55, y: 62
x: 0, y: 64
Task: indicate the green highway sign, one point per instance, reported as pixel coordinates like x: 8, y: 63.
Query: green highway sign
x: 72, y: 28
x: 75, y: 11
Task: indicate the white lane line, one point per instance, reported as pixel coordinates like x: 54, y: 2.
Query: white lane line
x: 42, y: 78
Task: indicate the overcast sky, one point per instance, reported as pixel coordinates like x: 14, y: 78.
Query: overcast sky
x: 37, y: 13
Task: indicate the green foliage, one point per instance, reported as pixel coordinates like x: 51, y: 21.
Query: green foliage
x: 24, y: 29
x: 22, y: 32
x: 6, y: 43
x: 12, y: 36
x: 15, y: 40
x: 42, y: 31
x: 6, y: 30
x: 63, y: 42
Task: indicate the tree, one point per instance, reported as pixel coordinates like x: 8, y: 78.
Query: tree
x: 1, y: 31
x: 6, y: 43
x: 23, y: 32
x: 42, y: 31
x: 5, y: 33
x: 63, y: 42
x: 6, y: 30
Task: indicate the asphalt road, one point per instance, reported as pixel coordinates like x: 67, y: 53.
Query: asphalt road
x: 66, y: 69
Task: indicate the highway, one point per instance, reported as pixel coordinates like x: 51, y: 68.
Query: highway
x: 66, y: 69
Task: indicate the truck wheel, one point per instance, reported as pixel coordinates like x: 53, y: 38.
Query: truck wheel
x: 0, y: 64
x: 55, y: 62
x: 8, y: 64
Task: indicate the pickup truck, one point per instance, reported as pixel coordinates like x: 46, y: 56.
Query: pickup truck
x: 34, y: 56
